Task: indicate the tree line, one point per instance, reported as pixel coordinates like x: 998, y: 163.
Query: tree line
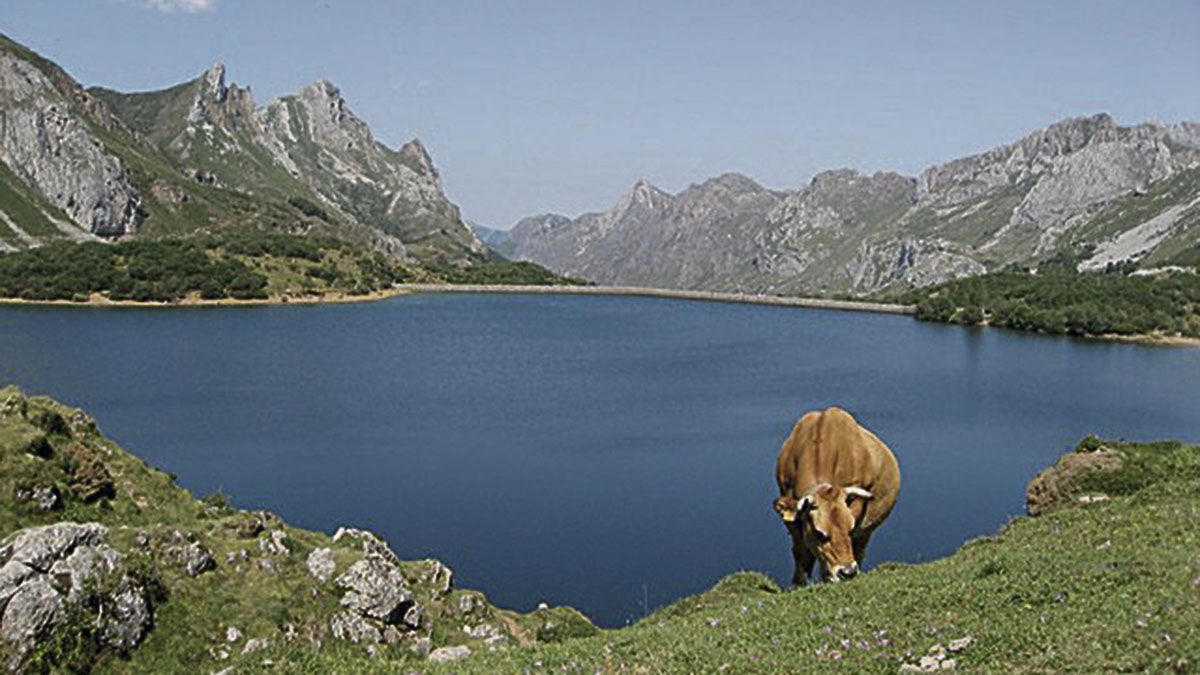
x: 1068, y: 303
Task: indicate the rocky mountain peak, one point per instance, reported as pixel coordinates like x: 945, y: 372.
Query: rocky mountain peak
x: 732, y: 182
x: 1070, y: 135
x: 212, y: 83
x: 415, y: 153
x: 544, y: 222
x: 219, y: 103
x: 835, y: 178
x: 645, y: 194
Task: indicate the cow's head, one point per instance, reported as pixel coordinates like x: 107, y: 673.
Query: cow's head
x: 826, y: 521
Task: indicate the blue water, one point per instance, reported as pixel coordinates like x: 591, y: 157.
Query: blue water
x: 586, y: 451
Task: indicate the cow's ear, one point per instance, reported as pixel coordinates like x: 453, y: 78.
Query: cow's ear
x: 854, y: 491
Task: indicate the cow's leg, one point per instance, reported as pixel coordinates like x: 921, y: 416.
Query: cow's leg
x: 804, y: 563
x: 860, y: 548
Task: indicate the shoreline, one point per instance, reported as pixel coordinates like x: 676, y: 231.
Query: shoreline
x: 98, y: 300
x: 675, y: 294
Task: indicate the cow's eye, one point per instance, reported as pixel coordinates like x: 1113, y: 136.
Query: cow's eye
x: 821, y: 536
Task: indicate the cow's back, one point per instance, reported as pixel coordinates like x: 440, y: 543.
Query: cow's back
x: 831, y: 447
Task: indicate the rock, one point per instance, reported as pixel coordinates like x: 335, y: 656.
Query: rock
x: 353, y: 627
x: 255, y: 644
x: 197, y: 559
x: 1053, y: 486
x: 12, y: 575
x: 437, y: 576
x: 470, y: 604
x: 51, y: 146
x: 961, y: 643
x: 84, y: 564
x: 273, y: 543
x: 40, y: 547
x: 321, y: 564
x: 232, y: 634
x: 42, y: 498
x: 29, y: 616
x: 929, y: 663
x: 447, y: 654
x: 414, y: 617
x: 376, y: 589
x: 482, y: 631
x: 371, y: 543
x: 126, y: 616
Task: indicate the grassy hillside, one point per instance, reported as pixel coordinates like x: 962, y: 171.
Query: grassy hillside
x: 1067, y: 303
x: 241, y: 265
x: 237, y: 264
x: 1105, y: 579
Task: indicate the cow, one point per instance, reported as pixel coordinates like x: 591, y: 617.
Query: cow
x: 837, y: 483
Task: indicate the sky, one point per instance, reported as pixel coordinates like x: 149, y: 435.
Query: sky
x: 529, y: 107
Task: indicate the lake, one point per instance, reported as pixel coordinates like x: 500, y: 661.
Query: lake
x: 609, y: 453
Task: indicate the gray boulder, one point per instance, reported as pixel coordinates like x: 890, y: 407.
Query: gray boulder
x: 126, y: 616
x: 197, y: 559
x: 447, y: 654
x: 40, y: 547
x: 321, y: 564
x: 376, y: 589
x: 45, y: 569
x: 352, y: 627
x: 30, y: 616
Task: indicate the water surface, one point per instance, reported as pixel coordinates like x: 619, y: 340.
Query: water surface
x: 605, y: 452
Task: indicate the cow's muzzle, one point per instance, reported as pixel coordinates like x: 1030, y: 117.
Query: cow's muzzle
x: 843, y: 572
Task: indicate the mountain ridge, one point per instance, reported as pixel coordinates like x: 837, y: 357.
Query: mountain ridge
x: 1064, y: 190
x: 99, y: 164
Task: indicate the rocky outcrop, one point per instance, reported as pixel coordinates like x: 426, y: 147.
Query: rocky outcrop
x: 46, y: 140
x: 305, y: 162
x: 1058, y: 485
x: 46, y: 570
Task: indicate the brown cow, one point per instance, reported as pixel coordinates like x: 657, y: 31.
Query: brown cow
x: 837, y: 483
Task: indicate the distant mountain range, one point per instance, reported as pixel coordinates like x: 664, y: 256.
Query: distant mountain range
x: 82, y: 164
x: 1084, y: 191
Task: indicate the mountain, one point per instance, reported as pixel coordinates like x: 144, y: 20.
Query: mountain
x: 96, y: 163
x: 1084, y: 190
x: 489, y: 235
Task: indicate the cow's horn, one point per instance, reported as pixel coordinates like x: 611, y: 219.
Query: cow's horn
x: 858, y: 492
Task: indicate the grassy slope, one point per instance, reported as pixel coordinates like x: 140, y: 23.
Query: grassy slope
x: 217, y: 265
x: 169, y: 270
x: 1108, y: 586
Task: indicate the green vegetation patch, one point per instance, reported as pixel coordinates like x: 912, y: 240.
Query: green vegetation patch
x: 246, y: 264
x: 1068, y: 303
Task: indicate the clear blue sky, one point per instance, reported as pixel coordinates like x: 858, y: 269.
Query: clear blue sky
x: 560, y: 106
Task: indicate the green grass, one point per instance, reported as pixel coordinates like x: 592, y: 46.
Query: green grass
x: 243, y: 264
